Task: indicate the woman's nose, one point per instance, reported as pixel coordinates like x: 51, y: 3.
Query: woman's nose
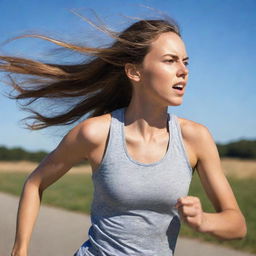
x: 183, y: 70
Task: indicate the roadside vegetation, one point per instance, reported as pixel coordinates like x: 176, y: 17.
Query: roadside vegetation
x: 243, y: 149
x: 74, y: 192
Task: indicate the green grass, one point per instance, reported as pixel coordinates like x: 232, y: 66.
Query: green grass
x: 74, y: 192
x: 245, y: 191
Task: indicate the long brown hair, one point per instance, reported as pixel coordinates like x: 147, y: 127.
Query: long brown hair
x: 94, y: 87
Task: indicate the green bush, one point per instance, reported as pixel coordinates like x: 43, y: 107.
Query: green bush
x: 18, y: 154
x: 245, y: 149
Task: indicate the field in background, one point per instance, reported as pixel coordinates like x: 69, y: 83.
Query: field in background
x: 74, y: 192
x: 238, y: 168
x: 27, y: 167
x: 233, y: 167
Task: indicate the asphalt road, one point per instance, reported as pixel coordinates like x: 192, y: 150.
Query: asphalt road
x: 60, y: 233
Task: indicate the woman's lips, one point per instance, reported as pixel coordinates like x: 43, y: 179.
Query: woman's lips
x: 179, y: 91
x: 179, y: 87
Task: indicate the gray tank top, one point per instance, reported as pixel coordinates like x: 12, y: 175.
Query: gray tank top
x: 132, y: 212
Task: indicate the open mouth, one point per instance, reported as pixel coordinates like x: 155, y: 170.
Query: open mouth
x: 178, y: 87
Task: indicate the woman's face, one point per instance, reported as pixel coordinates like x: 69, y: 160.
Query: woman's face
x: 164, y: 70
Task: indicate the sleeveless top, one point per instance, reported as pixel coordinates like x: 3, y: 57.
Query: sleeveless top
x: 132, y: 212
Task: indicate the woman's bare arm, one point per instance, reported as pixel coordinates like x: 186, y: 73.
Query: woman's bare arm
x: 71, y: 150
x: 228, y: 222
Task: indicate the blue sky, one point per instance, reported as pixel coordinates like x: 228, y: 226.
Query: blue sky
x: 220, y: 37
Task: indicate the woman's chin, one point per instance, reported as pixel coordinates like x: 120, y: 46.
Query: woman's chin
x: 175, y: 103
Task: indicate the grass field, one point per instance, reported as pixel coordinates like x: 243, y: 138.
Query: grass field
x: 74, y: 192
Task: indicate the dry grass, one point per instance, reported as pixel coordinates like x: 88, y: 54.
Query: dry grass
x: 236, y: 168
x: 27, y: 167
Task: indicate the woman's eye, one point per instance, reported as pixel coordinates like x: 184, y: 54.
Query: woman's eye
x: 171, y: 61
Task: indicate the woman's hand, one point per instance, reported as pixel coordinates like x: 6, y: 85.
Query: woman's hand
x: 190, y: 210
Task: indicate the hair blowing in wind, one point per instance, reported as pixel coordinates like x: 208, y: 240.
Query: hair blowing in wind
x: 94, y: 87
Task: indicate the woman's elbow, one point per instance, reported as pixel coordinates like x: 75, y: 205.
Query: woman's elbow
x: 242, y: 230
x: 32, y: 185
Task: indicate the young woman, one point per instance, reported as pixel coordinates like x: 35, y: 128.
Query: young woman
x: 142, y: 158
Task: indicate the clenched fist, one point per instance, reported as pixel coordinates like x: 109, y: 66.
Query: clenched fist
x: 191, y: 212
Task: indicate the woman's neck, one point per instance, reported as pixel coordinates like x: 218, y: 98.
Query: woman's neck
x: 147, y: 120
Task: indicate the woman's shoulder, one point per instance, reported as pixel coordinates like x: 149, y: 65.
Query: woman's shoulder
x: 197, y: 138
x: 95, y: 129
x: 193, y: 131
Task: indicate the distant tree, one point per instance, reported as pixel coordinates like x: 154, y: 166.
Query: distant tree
x: 239, y: 149
x: 38, y: 156
x: 4, y: 153
x: 223, y: 149
x: 18, y: 154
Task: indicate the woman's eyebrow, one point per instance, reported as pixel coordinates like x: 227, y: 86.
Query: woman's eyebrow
x: 175, y: 56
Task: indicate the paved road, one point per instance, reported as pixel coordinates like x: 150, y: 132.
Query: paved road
x: 60, y: 233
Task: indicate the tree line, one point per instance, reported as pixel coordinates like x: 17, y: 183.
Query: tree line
x: 19, y: 154
x: 245, y: 149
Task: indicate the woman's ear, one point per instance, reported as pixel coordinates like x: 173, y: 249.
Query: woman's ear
x: 132, y: 72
